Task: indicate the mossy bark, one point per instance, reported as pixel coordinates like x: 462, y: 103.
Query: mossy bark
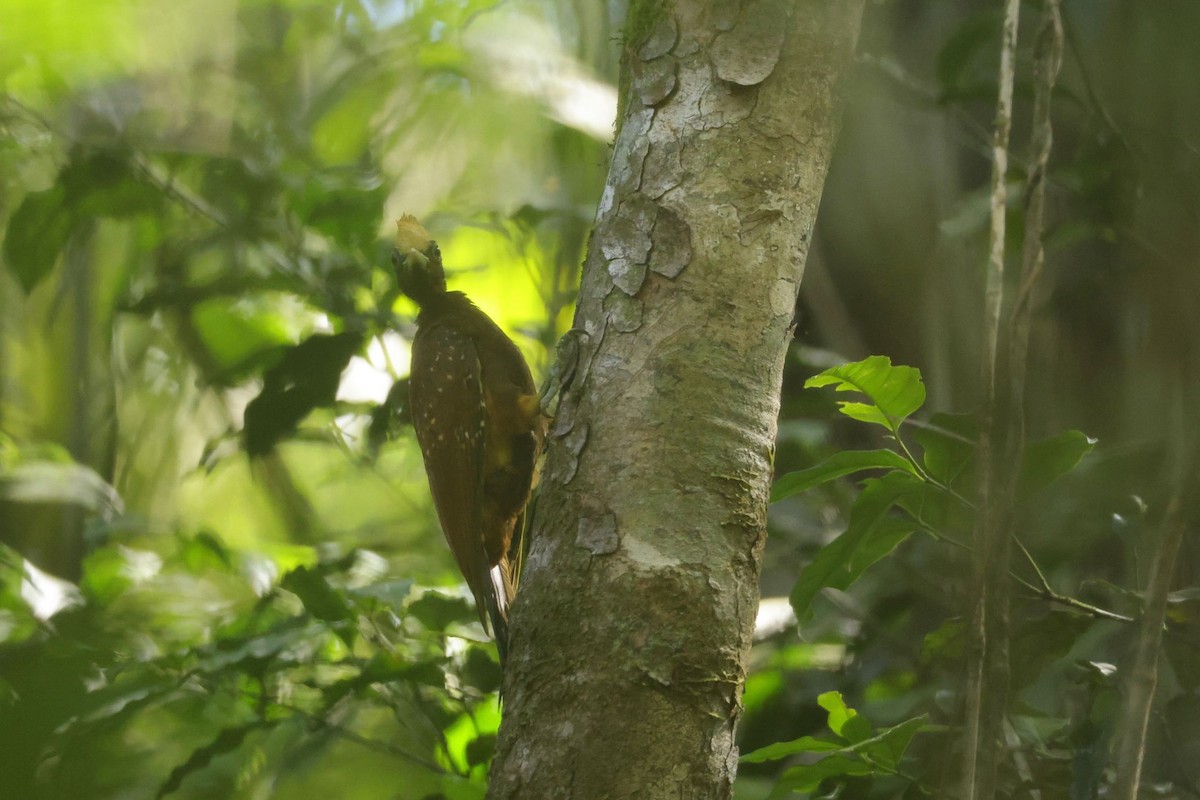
x: 633, y: 623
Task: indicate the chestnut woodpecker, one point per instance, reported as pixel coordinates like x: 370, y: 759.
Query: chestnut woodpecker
x: 478, y: 421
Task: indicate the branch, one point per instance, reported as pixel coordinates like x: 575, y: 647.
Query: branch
x: 987, y: 658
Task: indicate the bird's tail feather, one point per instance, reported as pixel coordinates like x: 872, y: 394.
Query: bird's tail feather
x: 502, y: 589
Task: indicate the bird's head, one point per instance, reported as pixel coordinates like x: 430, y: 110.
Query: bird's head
x: 417, y: 261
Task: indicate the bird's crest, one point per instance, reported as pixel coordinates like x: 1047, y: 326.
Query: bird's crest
x: 410, y: 235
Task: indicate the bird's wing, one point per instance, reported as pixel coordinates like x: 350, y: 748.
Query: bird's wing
x: 449, y: 418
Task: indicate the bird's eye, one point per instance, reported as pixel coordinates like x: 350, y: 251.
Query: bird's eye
x: 395, y: 258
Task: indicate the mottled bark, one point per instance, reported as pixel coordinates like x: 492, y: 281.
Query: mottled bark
x: 633, y: 623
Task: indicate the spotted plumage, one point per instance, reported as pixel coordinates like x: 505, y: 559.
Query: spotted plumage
x: 475, y: 412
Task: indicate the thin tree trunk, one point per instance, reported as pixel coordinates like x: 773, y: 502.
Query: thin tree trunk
x: 987, y: 658
x: 633, y: 624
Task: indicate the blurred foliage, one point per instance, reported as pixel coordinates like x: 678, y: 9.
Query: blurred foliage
x: 220, y: 574
x: 897, y: 269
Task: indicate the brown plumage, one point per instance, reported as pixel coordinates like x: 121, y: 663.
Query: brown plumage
x: 475, y: 410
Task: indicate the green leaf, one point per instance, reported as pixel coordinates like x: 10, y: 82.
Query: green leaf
x: 843, y: 720
x: 104, y: 184
x: 805, y: 744
x: 949, y: 443
x: 481, y: 670
x: 1047, y: 459
x: 437, y: 611
x: 837, y: 465
x: 480, y: 749
x: 808, y: 777
x: 306, y: 377
x: 36, y: 234
x: 887, y: 747
x: 321, y: 600
x: 870, y: 536
x: 894, y: 392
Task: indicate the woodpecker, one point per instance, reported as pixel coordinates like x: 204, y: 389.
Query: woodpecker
x: 478, y: 422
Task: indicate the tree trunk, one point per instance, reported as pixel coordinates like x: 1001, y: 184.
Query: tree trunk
x: 633, y: 623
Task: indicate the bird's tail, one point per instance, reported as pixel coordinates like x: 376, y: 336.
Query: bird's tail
x: 501, y: 594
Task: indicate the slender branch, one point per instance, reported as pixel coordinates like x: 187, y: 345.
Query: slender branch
x: 377, y: 745
x: 1042, y: 592
x: 994, y: 293
x: 987, y: 656
x: 1048, y: 60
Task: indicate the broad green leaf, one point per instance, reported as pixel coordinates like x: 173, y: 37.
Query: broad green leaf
x: 39, y: 229
x: 934, y: 508
x: 870, y: 536
x: 438, y: 611
x: 321, y: 600
x: 481, y: 670
x: 480, y: 750
x: 104, y: 185
x: 805, y: 744
x: 949, y: 442
x: 843, y: 720
x: 894, y: 392
x: 837, y: 465
x: 36, y: 234
x: 887, y: 747
x: 1047, y: 459
x: 306, y: 377
x: 808, y: 777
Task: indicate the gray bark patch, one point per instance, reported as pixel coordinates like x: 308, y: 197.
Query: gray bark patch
x: 598, y: 535
x: 661, y: 39
x: 656, y: 81
x: 672, y: 243
x: 747, y: 53
x: 624, y: 312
